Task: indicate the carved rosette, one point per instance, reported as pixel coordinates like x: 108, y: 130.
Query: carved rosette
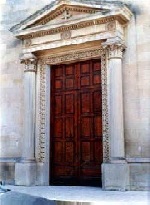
x: 30, y: 62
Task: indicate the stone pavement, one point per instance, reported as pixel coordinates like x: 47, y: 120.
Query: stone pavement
x: 15, y: 198
x: 94, y: 195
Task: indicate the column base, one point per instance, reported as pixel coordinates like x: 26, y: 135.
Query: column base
x: 25, y: 174
x: 115, y: 177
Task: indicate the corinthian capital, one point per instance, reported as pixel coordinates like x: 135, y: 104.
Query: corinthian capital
x: 30, y: 61
x: 115, y: 47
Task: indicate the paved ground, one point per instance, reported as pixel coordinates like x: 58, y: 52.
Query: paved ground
x: 83, y: 194
x: 15, y: 198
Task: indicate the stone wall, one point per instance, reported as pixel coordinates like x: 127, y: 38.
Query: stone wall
x: 11, y: 84
x: 136, y: 85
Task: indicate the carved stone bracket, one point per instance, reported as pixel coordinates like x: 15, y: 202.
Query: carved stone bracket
x: 115, y: 47
x: 30, y: 62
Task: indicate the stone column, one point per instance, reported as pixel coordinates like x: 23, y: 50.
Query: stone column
x: 25, y: 171
x: 115, y: 173
x: 116, y: 120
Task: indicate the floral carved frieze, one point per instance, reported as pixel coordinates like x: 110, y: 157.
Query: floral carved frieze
x: 42, y: 115
x: 74, y: 56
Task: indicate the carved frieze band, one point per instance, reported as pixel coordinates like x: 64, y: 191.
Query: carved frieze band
x: 72, y: 56
x: 76, y: 56
x: 42, y: 114
x: 105, y: 122
x: 71, y: 27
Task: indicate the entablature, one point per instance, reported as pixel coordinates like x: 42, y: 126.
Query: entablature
x: 67, y: 22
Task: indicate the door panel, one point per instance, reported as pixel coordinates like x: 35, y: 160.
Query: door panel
x: 76, y: 124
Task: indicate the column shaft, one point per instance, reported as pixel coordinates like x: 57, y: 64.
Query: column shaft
x: 116, y: 109
x: 115, y: 175
x: 29, y: 116
x: 25, y: 171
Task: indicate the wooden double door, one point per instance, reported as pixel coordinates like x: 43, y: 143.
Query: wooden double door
x: 76, y: 124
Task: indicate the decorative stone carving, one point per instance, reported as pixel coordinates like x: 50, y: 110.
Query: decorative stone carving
x: 66, y: 15
x: 111, y: 26
x: 64, y: 11
x: 27, y: 43
x: 105, y: 122
x: 42, y: 114
x: 66, y: 35
x: 30, y: 61
x: 63, y: 28
x: 115, y: 47
x: 74, y: 56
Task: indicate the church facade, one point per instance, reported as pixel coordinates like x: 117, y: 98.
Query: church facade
x: 76, y: 94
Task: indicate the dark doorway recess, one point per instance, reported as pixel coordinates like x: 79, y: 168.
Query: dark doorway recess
x: 76, y: 124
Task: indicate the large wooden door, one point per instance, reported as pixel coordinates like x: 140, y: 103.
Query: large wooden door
x: 76, y: 124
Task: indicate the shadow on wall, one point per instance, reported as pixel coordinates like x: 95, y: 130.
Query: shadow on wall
x: 7, y: 171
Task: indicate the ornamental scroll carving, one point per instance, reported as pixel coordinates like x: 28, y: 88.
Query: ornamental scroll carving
x: 115, y: 47
x: 105, y: 121
x: 30, y: 62
x: 116, y: 51
x: 42, y: 114
x: 75, y: 56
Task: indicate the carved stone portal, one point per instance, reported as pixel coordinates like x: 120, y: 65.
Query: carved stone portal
x: 69, y: 31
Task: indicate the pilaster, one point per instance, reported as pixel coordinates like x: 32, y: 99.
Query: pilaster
x: 116, y: 172
x: 27, y: 166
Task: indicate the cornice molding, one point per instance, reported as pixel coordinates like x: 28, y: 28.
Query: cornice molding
x: 99, y: 13
x: 63, y: 28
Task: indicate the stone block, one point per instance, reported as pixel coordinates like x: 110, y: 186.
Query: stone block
x: 25, y: 174
x: 115, y: 177
x: 140, y: 176
x: 42, y: 175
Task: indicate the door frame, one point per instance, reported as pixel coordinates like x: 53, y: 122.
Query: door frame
x: 43, y: 104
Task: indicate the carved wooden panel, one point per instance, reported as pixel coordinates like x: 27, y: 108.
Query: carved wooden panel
x: 76, y: 123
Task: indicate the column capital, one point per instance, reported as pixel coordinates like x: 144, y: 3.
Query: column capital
x: 115, y: 47
x: 30, y: 60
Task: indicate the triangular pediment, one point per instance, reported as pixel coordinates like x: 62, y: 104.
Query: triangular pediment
x: 66, y: 13
x: 61, y: 12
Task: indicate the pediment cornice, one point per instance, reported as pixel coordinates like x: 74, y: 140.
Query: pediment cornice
x: 49, y: 20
